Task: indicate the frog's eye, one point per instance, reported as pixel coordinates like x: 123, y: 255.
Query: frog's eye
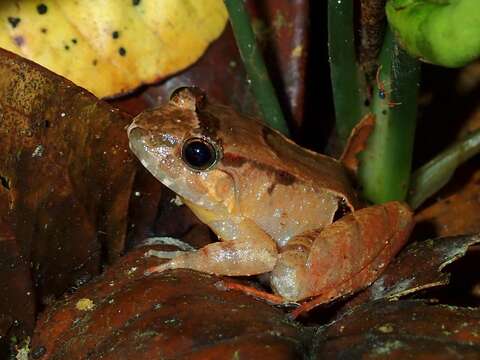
x: 199, y: 154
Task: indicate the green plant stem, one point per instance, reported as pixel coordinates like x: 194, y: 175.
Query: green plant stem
x: 256, y: 70
x: 347, y: 79
x: 432, y: 176
x: 386, y: 163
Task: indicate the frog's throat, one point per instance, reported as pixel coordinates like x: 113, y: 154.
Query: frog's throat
x: 205, y: 215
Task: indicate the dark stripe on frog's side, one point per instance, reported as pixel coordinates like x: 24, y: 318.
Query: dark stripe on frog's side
x: 280, y: 177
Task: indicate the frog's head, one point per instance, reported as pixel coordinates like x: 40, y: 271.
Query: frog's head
x: 181, y: 147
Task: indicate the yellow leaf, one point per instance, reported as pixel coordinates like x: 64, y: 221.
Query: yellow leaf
x: 111, y: 46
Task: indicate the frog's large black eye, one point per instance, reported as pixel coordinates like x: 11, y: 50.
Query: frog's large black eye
x: 199, y: 154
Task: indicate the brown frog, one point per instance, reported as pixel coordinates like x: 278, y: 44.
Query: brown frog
x: 271, y: 202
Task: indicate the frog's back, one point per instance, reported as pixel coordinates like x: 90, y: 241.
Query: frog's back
x: 248, y: 140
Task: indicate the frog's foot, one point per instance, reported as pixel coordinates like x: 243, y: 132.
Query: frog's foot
x: 164, y: 240
x: 343, y: 258
x: 162, y: 255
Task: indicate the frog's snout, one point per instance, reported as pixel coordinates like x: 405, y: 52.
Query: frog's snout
x: 136, y: 137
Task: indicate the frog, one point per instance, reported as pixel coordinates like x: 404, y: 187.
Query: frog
x: 278, y: 209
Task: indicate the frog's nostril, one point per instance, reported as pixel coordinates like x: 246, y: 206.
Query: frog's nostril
x: 135, y: 133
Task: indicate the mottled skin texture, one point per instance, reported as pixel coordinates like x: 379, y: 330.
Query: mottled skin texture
x: 271, y: 202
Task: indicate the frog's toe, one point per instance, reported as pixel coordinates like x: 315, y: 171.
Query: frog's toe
x: 157, y: 269
x: 183, y: 246
x: 166, y: 240
x: 163, y: 254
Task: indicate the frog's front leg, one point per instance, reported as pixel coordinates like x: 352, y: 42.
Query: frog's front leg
x: 251, y: 252
x: 344, y: 257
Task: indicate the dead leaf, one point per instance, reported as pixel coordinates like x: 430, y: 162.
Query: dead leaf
x: 175, y: 314
x: 17, y: 303
x: 409, y: 329
x: 184, y: 314
x: 111, y: 47
x: 66, y: 175
x: 357, y: 142
x: 456, y: 212
x: 418, y: 267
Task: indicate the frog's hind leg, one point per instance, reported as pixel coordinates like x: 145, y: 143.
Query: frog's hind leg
x: 344, y: 257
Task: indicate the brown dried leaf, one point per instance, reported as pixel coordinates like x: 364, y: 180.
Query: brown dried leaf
x: 17, y: 303
x: 451, y: 107
x: 180, y: 313
x: 66, y: 176
x: 417, y: 267
x: 357, y: 142
x: 401, y: 330
x: 456, y: 213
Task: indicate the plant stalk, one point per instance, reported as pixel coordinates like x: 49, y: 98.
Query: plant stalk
x: 259, y: 80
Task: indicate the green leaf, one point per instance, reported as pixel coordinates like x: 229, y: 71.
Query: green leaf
x: 442, y: 32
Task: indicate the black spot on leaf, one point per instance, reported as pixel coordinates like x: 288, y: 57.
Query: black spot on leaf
x: 14, y: 21
x: 42, y: 9
x: 122, y: 51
